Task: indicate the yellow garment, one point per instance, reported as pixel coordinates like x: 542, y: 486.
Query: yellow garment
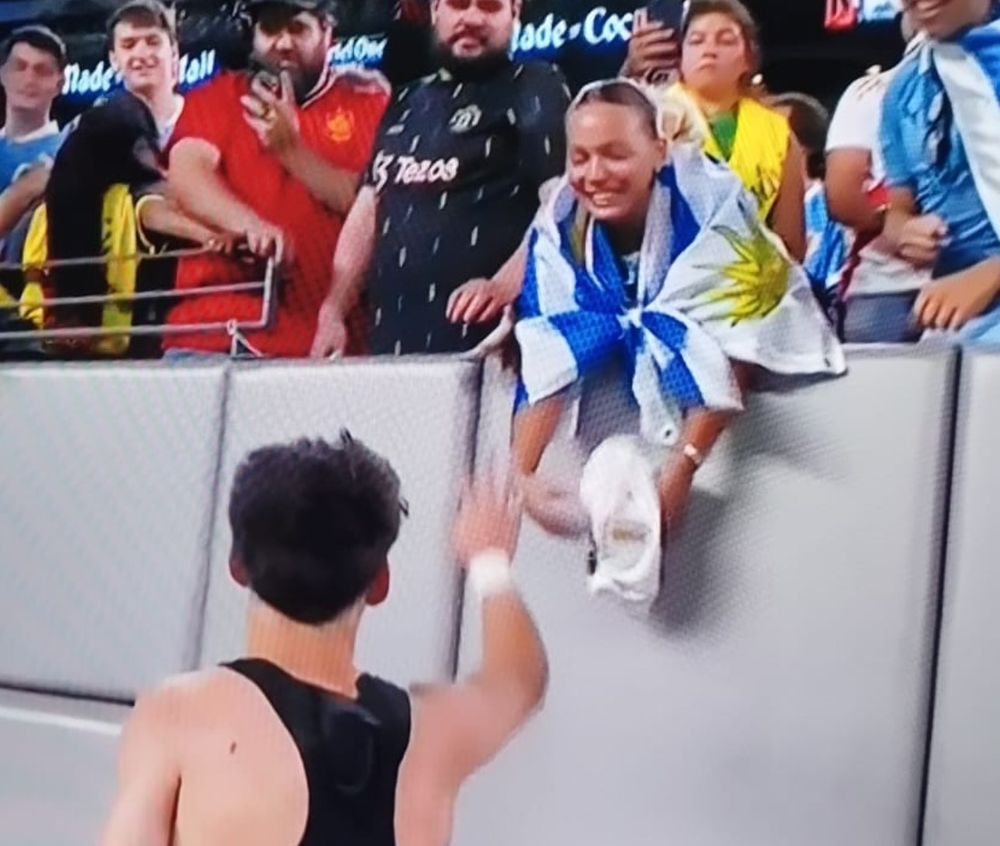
x: 119, y: 245
x: 759, y: 151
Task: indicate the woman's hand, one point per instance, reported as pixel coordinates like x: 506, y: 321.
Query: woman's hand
x: 557, y: 510
x: 481, y: 300
x: 652, y: 49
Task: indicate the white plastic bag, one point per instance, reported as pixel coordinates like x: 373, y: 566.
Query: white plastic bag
x: 618, y: 490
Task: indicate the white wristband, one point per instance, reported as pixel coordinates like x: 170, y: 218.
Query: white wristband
x: 490, y: 574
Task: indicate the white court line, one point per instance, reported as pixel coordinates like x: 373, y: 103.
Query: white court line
x: 44, y: 718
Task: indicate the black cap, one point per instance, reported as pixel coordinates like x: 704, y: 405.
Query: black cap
x: 158, y: 13
x: 317, y: 7
x: 37, y: 36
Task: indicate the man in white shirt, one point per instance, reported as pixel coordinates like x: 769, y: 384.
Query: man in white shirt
x: 143, y: 48
x: 879, y: 288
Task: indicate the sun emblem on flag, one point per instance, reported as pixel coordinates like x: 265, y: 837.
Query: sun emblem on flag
x: 758, y: 277
x: 340, y: 126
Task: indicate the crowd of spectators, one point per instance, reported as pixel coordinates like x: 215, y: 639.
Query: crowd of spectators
x: 678, y: 215
x: 398, y: 222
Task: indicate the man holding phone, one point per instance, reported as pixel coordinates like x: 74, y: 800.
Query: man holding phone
x: 273, y: 156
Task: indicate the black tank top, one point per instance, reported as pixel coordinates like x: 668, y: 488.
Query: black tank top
x: 351, y: 750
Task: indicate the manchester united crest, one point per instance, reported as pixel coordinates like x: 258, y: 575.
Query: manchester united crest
x: 340, y: 126
x: 465, y: 119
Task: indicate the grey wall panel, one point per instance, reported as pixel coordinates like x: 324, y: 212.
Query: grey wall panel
x: 964, y: 783
x: 57, y: 769
x: 106, y: 494
x: 778, y: 693
x: 421, y: 414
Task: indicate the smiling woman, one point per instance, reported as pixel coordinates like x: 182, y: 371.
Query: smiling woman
x: 657, y: 256
x: 614, y: 153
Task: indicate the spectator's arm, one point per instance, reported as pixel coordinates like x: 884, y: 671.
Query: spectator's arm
x: 334, y: 187
x: 788, y: 217
x: 275, y: 119
x: 534, y: 427
x: 148, y: 778
x: 902, y: 209
x: 511, y: 275
x: 355, y: 248
x: 952, y: 301
x: 540, y: 114
x: 702, y: 429
x: 903, y: 205
x: 853, y: 135
x: 482, y: 300
x: 18, y: 198
x: 847, y: 173
x: 652, y: 49
x: 158, y: 214
x: 200, y: 190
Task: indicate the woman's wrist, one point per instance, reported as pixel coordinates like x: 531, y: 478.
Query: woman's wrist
x: 692, y: 456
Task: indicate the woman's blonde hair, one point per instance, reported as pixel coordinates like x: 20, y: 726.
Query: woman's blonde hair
x: 619, y: 92
x: 667, y: 114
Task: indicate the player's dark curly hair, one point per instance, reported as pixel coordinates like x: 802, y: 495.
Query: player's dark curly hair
x: 313, y: 523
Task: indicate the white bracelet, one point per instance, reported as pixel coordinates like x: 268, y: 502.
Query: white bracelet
x: 490, y: 573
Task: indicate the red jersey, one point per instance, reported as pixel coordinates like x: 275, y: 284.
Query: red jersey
x: 338, y: 123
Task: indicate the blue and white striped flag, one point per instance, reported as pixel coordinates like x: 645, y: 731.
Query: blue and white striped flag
x: 713, y: 285
x: 969, y: 70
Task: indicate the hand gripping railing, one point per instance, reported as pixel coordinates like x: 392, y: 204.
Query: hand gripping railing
x: 232, y: 327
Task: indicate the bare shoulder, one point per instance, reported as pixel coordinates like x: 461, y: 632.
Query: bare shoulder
x: 181, y: 697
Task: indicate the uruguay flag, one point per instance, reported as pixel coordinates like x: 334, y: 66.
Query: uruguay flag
x: 969, y: 70
x: 714, y: 285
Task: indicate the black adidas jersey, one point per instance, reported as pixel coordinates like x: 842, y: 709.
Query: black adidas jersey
x: 457, y: 166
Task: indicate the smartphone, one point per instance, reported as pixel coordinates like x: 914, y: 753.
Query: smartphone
x: 670, y: 13
x: 264, y: 73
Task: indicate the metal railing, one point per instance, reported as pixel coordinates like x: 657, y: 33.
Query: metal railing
x: 233, y: 328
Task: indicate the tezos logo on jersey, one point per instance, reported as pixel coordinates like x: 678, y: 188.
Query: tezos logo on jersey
x: 412, y: 171
x: 465, y: 119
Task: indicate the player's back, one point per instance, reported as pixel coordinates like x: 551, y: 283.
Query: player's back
x: 264, y: 758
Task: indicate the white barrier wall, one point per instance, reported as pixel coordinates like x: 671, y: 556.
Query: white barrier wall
x: 964, y: 783
x: 57, y: 768
x: 106, y: 493
x: 778, y: 694
x: 420, y: 414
